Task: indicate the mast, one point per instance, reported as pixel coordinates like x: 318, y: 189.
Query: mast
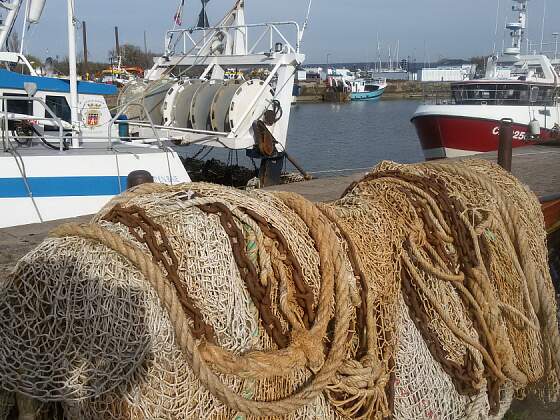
x: 517, y: 28
x: 240, y: 37
x: 24, y: 28
x: 378, y: 54
x: 73, y: 75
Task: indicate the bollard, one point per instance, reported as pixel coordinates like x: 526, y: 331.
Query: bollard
x: 506, y: 144
x: 136, y: 178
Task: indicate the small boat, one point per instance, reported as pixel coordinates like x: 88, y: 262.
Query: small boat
x: 368, y: 89
x: 118, y: 75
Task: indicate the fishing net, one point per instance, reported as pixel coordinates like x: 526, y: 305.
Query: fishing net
x: 422, y: 293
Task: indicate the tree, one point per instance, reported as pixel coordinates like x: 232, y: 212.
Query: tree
x: 134, y: 56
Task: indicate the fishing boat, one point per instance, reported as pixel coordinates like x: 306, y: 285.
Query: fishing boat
x: 521, y: 88
x: 63, y: 153
x: 192, y: 98
x: 368, y: 89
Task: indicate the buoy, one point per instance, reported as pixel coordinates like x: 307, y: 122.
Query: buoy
x: 139, y: 177
x: 535, y: 128
x: 35, y: 11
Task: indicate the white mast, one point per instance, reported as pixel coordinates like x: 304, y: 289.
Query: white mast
x: 73, y: 75
x: 240, y: 37
x: 378, y: 54
x: 23, y: 30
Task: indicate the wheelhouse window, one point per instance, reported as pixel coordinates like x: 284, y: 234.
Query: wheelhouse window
x: 503, y: 94
x: 59, y: 107
x: 372, y: 88
x: 18, y: 106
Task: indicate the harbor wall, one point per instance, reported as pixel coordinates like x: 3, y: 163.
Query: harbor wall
x: 316, y: 91
x: 405, y: 89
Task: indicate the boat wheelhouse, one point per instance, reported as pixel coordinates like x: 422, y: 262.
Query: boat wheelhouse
x: 520, y: 88
x: 508, y: 93
x: 368, y: 89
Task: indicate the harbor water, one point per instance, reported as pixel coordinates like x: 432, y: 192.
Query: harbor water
x: 339, y: 139
x: 330, y: 139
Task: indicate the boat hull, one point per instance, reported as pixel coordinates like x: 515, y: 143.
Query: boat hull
x: 75, y: 184
x: 455, y: 134
x: 368, y: 96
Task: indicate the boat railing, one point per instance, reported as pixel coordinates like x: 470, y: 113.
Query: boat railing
x: 268, y: 35
x: 8, y: 116
x: 122, y: 111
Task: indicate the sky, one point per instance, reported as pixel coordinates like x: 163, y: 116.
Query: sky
x: 346, y: 30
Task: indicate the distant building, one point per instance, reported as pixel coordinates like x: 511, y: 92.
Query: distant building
x: 312, y: 74
x: 301, y: 75
x: 391, y: 75
x: 447, y: 74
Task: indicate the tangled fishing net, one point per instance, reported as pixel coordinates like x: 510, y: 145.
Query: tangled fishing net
x: 422, y: 293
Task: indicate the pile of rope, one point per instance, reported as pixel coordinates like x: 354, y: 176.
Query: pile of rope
x: 423, y: 292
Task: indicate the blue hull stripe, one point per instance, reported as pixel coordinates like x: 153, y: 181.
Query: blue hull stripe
x: 367, y: 96
x: 73, y: 186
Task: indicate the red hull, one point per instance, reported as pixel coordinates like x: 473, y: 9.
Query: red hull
x: 466, y: 135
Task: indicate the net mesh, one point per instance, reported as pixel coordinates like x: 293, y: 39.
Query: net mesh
x: 422, y: 293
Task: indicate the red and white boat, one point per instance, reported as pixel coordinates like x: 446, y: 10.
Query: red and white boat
x: 523, y: 88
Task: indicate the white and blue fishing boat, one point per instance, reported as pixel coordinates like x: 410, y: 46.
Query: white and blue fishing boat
x: 368, y: 89
x: 63, y: 154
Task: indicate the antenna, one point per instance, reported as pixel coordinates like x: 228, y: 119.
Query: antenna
x: 542, y: 28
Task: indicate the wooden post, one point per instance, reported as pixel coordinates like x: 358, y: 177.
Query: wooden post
x: 85, y: 69
x: 505, y: 149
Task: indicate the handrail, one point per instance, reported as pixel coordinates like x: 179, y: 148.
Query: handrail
x: 210, y: 32
x: 122, y: 111
x: 54, y: 117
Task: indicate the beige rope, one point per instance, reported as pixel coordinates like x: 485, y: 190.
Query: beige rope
x: 330, y: 255
x: 542, y: 302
